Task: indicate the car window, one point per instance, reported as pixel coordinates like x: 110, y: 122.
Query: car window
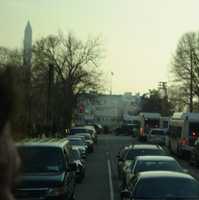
x: 156, y: 165
x: 45, y: 159
x: 141, y: 152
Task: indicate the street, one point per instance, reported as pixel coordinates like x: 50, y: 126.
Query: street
x: 101, y: 181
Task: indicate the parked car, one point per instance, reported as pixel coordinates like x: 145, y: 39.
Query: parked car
x: 194, y: 157
x: 120, y: 159
x: 47, y: 172
x: 139, y: 150
x: 89, y: 141
x: 78, y: 143
x: 83, y: 129
x: 93, y: 132
x: 80, y: 164
x: 157, y: 136
x: 153, y: 163
x: 82, y: 138
x: 162, y: 185
x: 98, y: 128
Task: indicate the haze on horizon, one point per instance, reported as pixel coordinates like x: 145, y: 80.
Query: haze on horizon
x: 139, y: 36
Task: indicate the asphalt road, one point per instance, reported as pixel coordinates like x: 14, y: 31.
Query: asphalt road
x: 101, y: 181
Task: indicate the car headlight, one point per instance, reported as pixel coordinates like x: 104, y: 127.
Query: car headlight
x: 56, y: 191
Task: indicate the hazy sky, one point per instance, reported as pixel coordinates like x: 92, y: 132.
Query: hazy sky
x: 140, y: 36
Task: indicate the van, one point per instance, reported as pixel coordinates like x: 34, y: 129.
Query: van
x: 183, y: 132
x: 47, y: 171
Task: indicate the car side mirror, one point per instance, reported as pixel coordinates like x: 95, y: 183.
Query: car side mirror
x: 72, y: 167
x: 125, y: 194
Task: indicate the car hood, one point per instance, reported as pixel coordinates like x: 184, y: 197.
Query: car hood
x: 40, y: 180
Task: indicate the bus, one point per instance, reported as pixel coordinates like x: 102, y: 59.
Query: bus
x: 147, y: 122
x: 183, y: 132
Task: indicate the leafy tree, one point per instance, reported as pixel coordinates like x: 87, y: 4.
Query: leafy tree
x: 153, y: 102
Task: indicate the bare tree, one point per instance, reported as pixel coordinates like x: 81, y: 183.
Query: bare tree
x: 75, y: 64
x: 185, y: 66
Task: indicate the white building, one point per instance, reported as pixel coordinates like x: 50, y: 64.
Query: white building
x: 108, y: 110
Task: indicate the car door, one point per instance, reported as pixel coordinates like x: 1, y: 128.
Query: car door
x: 69, y: 178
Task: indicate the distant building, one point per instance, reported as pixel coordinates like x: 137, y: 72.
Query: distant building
x: 27, y: 56
x: 107, y: 110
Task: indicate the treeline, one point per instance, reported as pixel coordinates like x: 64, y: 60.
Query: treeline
x: 62, y: 68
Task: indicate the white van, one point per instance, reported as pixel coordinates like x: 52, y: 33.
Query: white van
x: 147, y: 122
x: 183, y: 132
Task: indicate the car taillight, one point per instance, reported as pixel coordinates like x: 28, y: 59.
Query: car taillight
x: 194, y: 135
x: 184, y: 141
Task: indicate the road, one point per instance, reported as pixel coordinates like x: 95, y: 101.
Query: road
x: 101, y: 181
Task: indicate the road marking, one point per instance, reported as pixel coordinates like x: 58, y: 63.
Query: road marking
x: 110, y: 180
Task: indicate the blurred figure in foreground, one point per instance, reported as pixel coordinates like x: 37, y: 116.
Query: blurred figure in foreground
x: 9, y: 160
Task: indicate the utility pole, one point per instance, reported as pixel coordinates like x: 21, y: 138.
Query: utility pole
x: 50, y: 97
x: 111, y: 88
x: 191, y: 83
x: 163, y: 87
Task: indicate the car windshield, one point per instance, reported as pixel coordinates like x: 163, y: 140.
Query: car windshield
x: 76, y: 142
x: 132, y: 153
x: 46, y: 159
x: 166, y: 188
x: 157, y: 166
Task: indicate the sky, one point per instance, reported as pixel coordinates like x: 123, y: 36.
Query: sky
x: 139, y: 36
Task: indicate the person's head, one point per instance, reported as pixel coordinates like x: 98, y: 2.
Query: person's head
x: 9, y: 160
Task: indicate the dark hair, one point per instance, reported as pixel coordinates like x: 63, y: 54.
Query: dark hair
x: 6, y: 96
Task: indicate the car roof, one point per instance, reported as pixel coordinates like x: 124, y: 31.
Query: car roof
x: 45, y: 142
x: 155, y: 158
x: 146, y: 146
x: 164, y: 174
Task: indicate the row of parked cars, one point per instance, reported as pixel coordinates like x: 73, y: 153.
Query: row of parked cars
x: 51, y: 167
x: 162, y: 137
x: 148, y: 172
